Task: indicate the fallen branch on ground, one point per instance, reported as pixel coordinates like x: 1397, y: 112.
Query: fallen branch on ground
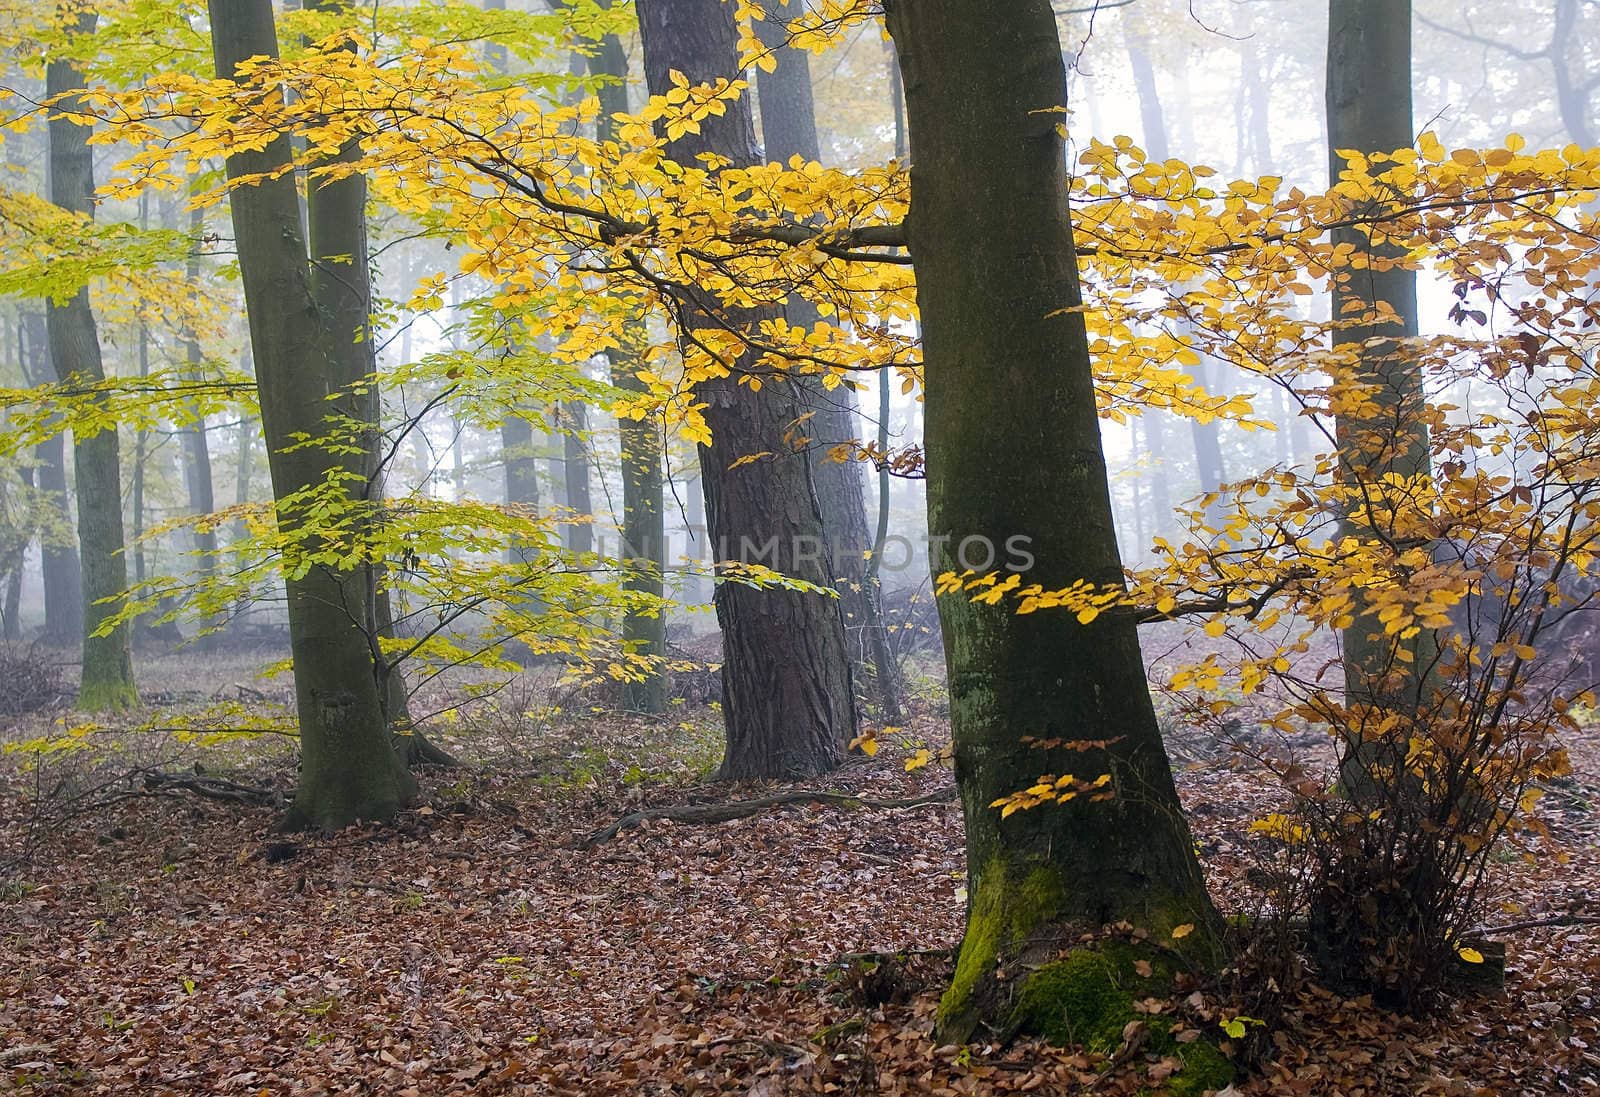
x: 1543, y: 923
x: 742, y: 809
x: 213, y: 788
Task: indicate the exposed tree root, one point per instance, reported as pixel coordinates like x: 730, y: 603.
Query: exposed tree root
x: 416, y: 749
x: 742, y: 809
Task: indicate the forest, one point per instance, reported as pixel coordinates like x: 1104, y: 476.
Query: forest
x: 800, y: 546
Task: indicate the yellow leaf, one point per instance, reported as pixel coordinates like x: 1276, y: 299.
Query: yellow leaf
x: 1087, y: 614
x: 1216, y: 627
x: 1180, y: 932
x: 1470, y: 955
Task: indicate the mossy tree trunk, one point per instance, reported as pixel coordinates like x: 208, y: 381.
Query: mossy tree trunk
x: 107, y: 683
x: 789, y: 129
x: 788, y: 701
x: 1013, y: 449
x: 1369, y: 110
x: 349, y: 769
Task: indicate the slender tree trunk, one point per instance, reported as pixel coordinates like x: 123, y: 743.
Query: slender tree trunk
x: 107, y: 682
x: 349, y: 769
x: 788, y: 703
x: 1153, y: 119
x: 789, y: 129
x: 58, y: 543
x: 1369, y: 110
x: 196, y: 442
x: 1013, y: 450
x: 575, y: 475
x: 643, y: 446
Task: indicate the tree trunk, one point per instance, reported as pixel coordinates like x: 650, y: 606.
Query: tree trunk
x: 58, y: 547
x: 575, y: 475
x: 1013, y: 450
x: 196, y: 445
x: 349, y: 770
x: 107, y: 682
x: 788, y: 703
x: 1369, y: 110
x: 789, y: 129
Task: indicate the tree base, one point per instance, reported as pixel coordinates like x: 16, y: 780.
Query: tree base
x: 377, y: 798
x: 108, y: 696
x: 1088, y: 998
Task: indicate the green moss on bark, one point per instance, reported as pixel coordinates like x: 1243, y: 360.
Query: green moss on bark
x: 1003, y: 914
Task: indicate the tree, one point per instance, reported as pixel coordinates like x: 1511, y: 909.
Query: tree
x: 788, y: 705
x: 58, y: 552
x: 642, y: 444
x: 1382, y: 438
x: 349, y: 770
x: 789, y: 129
x: 1004, y: 343
x: 1207, y: 442
x: 107, y: 683
x: 196, y: 441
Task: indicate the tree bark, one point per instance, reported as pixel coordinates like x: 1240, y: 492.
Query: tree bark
x: 789, y: 129
x: 349, y: 769
x: 643, y: 445
x: 1014, y: 450
x: 1369, y: 110
x: 107, y: 683
x: 575, y: 475
x: 196, y: 443
x: 788, y: 702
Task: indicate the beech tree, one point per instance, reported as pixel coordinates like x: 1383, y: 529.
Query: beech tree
x: 1381, y: 431
x: 788, y: 703
x: 1004, y: 342
x: 107, y: 682
x: 349, y: 770
x: 789, y: 129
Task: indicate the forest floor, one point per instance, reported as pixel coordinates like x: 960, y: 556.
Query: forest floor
x: 166, y: 943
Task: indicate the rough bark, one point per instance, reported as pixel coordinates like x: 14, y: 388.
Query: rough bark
x: 349, y: 770
x: 107, y: 683
x: 1004, y: 344
x: 1369, y: 110
x: 789, y: 129
x: 788, y: 704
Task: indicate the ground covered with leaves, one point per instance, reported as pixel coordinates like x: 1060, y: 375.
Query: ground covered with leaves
x: 170, y: 942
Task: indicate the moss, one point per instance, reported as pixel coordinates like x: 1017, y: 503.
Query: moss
x: 1003, y: 913
x: 1204, y: 1068
x: 107, y: 696
x: 1088, y: 998
x: 1084, y: 999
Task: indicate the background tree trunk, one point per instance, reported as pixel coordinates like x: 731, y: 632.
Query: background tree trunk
x: 1004, y: 343
x: 349, y: 769
x: 788, y: 702
x: 643, y: 445
x: 196, y: 443
x: 789, y: 129
x: 58, y: 544
x: 1369, y: 110
x: 107, y: 683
